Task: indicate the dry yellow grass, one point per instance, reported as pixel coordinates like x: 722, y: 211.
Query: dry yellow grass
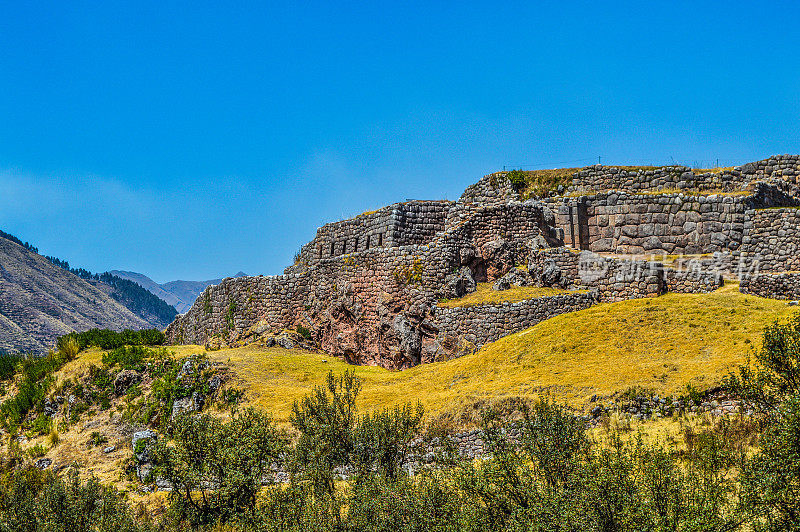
x: 661, y: 344
x: 485, y: 294
x: 717, y: 170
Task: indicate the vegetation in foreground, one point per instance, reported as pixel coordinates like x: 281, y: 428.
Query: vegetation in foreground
x: 346, y: 471
x: 659, y: 344
x: 339, y: 469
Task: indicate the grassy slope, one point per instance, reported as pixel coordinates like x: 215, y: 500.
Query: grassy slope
x: 661, y: 344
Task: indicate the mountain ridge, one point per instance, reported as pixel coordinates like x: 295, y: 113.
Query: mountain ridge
x: 39, y: 301
x: 180, y: 294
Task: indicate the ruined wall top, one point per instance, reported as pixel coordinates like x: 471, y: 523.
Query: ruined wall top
x: 496, y: 187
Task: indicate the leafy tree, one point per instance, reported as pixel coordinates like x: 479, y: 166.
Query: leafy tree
x: 776, y: 374
x: 37, y: 501
x: 216, y: 467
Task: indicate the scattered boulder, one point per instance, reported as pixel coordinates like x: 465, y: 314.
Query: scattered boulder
x: 124, y: 380
x: 215, y: 343
x: 110, y: 449
x: 214, y: 383
x: 284, y: 341
x: 459, y: 283
x: 547, y: 274
x: 466, y: 255
x: 142, y: 443
x: 188, y: 404
x: 50, y: 407
x: 516, y: 277
x: 43, y: 463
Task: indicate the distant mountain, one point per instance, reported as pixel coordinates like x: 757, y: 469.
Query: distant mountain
x: 134, y: 297
x: 39, y: 301
x: 179, y: 294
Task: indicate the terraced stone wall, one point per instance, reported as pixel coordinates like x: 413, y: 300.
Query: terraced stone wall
x: 635, y: 179
x: 373, y: 306
x: 773, y: 239
x: 401, y: 224
x: 482, y: 324
x: 632, y: 179
x: 773, y: 285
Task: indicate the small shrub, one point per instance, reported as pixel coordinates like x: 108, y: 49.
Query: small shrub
x: 517, y: 179
x: 37, y: 451
x: 97, y: 439
x: 42, y: 424
x: 305, y: 332
x: 54, y: 437
x: 68, y: 346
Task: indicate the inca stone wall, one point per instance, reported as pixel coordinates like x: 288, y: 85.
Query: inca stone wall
x: 773, y: 238
x: 619, y: 222
x: 612, y: 279
x: 367, y: 288
x: 495, y: 188
x: 412, y: 222
x: 482, y: 324
x: 373, y: 306
x: 773, y: 285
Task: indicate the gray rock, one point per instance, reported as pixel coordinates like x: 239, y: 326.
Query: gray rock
x: 124, y: 380
x: 214, y: 383
x: 551, y: 274
x: 285, y: 342
x: 43, y: 463
x: 459, y: 283
x: 141, y: 442
x: 516, y: 277
x: 110, y: 449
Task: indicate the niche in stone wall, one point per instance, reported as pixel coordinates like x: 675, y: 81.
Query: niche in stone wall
x: 355, y: 245
x: 367, y: 246
x: 333, y: 248
x: 380, y: 239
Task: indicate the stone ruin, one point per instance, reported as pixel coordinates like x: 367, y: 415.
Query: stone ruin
x: 368, y: 289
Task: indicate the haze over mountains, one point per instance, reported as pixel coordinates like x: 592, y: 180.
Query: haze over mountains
x: 179, y: 294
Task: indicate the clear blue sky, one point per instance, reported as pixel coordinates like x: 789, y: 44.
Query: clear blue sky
x: 190, y: 140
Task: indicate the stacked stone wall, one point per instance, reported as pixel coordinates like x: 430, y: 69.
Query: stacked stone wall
x: 412, y: 222
x: 603, y: 178
x: 495, y: 188
x: 482, y: 324
x: 773, y: 285
x: 372, y: 306
x: 671, y: 223
x: 773, y: 239
x: 612, y: 279
x: 616, y: 279
x: 366, y: 287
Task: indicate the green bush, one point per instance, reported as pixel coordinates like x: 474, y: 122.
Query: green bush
x: 39, y: 501
x: 108, y: 339
x: 216, y: 467
x: 36, y: 378
x: 130, y: 357
x: 8, y: 365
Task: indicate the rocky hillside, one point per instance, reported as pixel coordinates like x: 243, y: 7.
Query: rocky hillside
x: 179, y: 294
x: 40, y: 301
